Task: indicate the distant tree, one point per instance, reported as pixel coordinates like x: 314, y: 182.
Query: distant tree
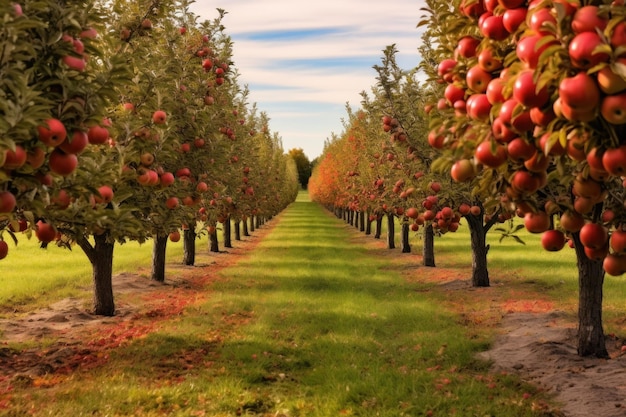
x: 303, y: 165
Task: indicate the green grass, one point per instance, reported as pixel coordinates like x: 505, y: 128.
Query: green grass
x: 309, y: 324
x: 31, y: 276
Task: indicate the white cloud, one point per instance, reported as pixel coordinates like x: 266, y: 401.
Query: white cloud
x: 313, y: 74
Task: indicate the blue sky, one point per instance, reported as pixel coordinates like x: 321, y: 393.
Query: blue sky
x: 304, y: 60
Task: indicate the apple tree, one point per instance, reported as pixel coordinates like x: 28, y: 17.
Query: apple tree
x: 539, y: 84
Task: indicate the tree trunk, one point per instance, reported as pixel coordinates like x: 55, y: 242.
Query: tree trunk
x: 591, y: 340
x: 237, y: 230
x: 478, y: 238
x: 368, y: 224
x: 158, y: 258
x: 362, y: 221
x: 101, y: 257
x: 244, y: 225
x: 391, y: 231
x: 227, y: 234
x: 213, y: 242
x: 406, y: 246
x: 258, y: 222
x: 428, y: 251
x: 189, y: 246
x: 379, y: 227
x: 251, y: 223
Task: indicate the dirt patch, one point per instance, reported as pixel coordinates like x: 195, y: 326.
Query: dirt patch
x: 66, y: 336
x: 541, y: 348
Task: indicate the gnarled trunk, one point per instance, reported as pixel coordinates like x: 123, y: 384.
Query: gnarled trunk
x: 101, y: 257
x: 189, y: 246
x: 391, y: 231
x: 428, y: 251
x: 158, y: 258
x: 406, y: 246
x: 591, y: 340
x: 478, y: 238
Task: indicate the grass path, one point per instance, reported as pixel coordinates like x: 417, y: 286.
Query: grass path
x: 309, y: 323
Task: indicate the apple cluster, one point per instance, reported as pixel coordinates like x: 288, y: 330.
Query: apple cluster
x: 535, y: 93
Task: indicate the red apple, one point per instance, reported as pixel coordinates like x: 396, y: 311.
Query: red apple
x: 4, y: 249
x: 586, y: 19
x: 74, y: 63
x: 582, y: 50
x: 478, y: 79
x: 467, y: 45
x: 7, y: 202
x: 525, y: 90
x: 76, y: 144
x: 62, y: 163
x: 462, y: 170
x: 105, y: 194
x: 513, y: 18
x: 492, y: 27
x: 174, y: 236
x: 159, y: 117
x: 52, y: 132
x: 580, y: 92
x: 167, y: 179
x: 614, y: 160
x: 45, y: 232
x: 541, y: 20
x: 36, y: 157
x: 97, y: 135
x: 537, y: 222
x: 15, y: 159
x: 613, y: 109
x: 553, y: 240
x: 594, y: 236
x: 491, y: 154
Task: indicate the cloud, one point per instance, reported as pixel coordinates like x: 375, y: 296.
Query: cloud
x: 303, y: 60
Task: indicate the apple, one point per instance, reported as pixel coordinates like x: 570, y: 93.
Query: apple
x: 614, y: 160
x: 45, y: 232
x: 525, y: 181
x: 618, y: 36
x: 478, y: 79
x: 7, y: 202
x: 571, y: 221
x: 615, y: 265
x: 513, y: 18
x: 586, y: 19
x: 435, y: 187
x: 159, y: 117
x: 529, y: 49
x: 453, y: 93
x: 491, y: 154
x: 492, y: 27
x: 174, y: 236
x: 62, y: 163
x: 487, y: 61
x: 74, y: 63
x: 594, y: 236
x: 538, y: 162
x: 4, y: 249
x: 542, y: 117
x: 613, y: 109
x: 167, y: 179
x: 467, y: 45
x: 541, y: 20
x: 76, y: 144
x: 445, y: 69
x: 17, y: 9
x: 146, y: 159
x: 537, y: 222
x: 582, y: 50
x: 494, y: 91
x: 501, y: 132
x: 550, y: 144
x: 171, y: 203
x: 519, y: 150
x: 36, y: 157
x: 609, y: 80
x: 617, y: 241
x: 474, y: 9
x: 146, y: 24
x: 89, y: 33
x: 52, y: 132
x: 580, y: 92
x: 479, y: 107
x: 15, y: 159
x: 97, y: 135
x: 553, y: 240
x: 105, y: 194
x: 462, y: 170
x: 525, y: 90
x: 128, y: 106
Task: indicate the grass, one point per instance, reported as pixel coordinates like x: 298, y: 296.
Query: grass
x: 31, y: 277
x: 309, y: 324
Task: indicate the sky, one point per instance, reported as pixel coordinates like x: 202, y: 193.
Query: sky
x: 303, y: 60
